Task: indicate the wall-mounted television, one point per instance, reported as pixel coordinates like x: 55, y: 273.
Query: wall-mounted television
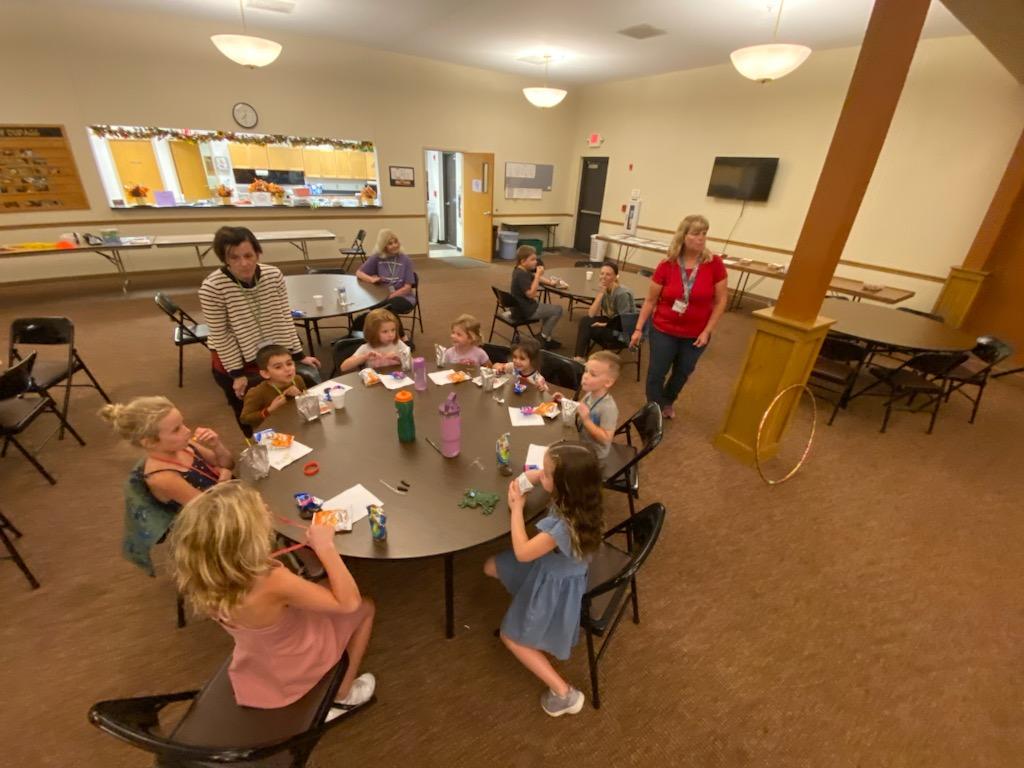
x: 742, y: 178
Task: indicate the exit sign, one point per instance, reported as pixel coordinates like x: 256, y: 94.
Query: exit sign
x: 595, y: 140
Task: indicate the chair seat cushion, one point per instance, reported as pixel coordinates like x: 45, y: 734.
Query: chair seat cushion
x: 830, y: 370
x: 904, y: 379
x: 198, y: 335
x: 619, y: 455
x: 47, y: 373
x: 606, y: 563
x: 967, y: 371
x: 17, y: 412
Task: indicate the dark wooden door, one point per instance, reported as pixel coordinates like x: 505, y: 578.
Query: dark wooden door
x: 588, y: 211
x: 451, y: 200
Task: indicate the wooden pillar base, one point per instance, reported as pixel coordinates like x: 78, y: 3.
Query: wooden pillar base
x: 781, y: 353
x: 958, y: 294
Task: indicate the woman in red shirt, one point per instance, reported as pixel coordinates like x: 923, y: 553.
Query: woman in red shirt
x: 687, y: 297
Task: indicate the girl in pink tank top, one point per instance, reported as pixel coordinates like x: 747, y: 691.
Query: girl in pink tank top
x: 288, y: 632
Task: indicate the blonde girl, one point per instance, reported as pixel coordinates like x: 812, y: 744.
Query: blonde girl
x: 466, y: 338
x: 288, y: 632
x: 547, y: 573
x: 389, y: 267
x: 382, y: 347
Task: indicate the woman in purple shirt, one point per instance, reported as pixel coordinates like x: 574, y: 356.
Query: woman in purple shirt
x: 388, y: 266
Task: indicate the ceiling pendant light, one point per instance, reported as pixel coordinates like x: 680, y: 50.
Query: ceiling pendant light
x: 544, y: 97
x: 245, y: 49
x: 771, y: 60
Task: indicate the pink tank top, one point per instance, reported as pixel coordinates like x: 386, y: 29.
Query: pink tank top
x: 277, y: 665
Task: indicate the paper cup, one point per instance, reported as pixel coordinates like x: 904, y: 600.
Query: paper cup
x: 338, y: 398
x: 590, y: 274
x: 318, y: 300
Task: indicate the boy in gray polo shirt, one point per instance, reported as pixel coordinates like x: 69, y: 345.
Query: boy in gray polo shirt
x: 598, y: 414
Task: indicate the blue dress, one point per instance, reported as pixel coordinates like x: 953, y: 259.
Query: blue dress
x: 546, y: 593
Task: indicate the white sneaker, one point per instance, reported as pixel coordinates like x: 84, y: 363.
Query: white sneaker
x: 361, y: 692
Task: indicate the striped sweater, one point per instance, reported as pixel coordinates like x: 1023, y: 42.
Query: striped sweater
x: 241, y: 320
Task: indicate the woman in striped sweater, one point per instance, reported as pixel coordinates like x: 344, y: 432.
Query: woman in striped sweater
x: 245, y: 304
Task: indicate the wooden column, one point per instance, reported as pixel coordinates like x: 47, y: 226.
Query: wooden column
x: 964, y: 282
x: 787, y: 337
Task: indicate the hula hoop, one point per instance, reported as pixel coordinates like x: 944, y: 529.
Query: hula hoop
x: 810, y: 438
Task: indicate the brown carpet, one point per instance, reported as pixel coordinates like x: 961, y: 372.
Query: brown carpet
x: 867, y: 613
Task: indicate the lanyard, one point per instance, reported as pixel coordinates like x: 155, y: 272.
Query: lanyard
x: 203, y: 468
x: 391, y: 266
x: 593, y: 405
x: 274, y: 386
x: 687, y: 282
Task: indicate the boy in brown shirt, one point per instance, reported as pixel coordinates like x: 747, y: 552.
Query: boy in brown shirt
x: 279, y: 385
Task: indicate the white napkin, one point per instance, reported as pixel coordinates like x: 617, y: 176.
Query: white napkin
x: 390, y: 382
x: 319, y: 389
x: 441, y: 377
x: 356, y: 499
x: 520, y: 420
x: 282, y: 457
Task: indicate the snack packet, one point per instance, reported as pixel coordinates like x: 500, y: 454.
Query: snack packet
x: 369, y: 377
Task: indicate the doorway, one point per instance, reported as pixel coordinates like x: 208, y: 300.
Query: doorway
x: 588, y: 211
x: 459, y: 204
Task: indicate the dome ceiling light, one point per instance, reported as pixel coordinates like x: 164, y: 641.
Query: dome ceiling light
x: 769, y: 61
x: 245, y: 49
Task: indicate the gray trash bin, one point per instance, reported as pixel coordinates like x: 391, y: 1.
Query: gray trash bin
x: 509, y: 243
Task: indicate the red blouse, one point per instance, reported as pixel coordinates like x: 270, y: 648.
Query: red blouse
x: 690, y: 324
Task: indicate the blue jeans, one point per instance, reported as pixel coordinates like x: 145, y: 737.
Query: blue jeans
x: 669, y: 352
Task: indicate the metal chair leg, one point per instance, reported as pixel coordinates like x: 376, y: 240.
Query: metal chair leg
x: 595, y: 696
x: 32, y: 459
x: 636, y: 600
x: 13, y: 551
x: 181, y: 366
x: 92, y: 378
x: 65, y: 424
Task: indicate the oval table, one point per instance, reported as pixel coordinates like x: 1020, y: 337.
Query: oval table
x: 302, y: 288
x: 583, y: 290
x: 360, y: 445
x: 884, y: 327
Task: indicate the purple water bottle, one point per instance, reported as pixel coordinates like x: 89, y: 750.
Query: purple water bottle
x: 419, y: 373
x: 451, y: 427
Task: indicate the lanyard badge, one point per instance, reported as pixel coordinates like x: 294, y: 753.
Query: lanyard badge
x: 681, y: 305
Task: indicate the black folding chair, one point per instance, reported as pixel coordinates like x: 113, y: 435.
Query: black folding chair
x: 416, y: 313
x: 186, y: 330
x: 622, y: 465
x: 216, y: 731
x: 20, y: 403
x: 325, y: 271
x: 12, y: 553
x: 342, y: 350
x: 354, y: 251
x: 496, y: 353
x: 987, y: 354
x: 921, y: 375
x: 612, y: 584
x: 504, y: 311
x: 627, y: 324
x: 48, y: 373
x: 837, y: 369
x: 561, y: 371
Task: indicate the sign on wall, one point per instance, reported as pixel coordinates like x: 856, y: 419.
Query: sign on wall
x: 38, y: 171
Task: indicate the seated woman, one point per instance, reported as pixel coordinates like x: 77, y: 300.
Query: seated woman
x: 527, y: 277
x: 179, y: 465
x: 603, y: 322
x: 390, y: 267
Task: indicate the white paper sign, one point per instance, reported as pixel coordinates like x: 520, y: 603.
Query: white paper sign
x: 478, y: 185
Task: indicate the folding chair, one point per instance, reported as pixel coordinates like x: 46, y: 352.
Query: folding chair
x: 416, y: 313
x: 354, y: 251
x: 496, y: 353
x: 186, y: 330
x: 988, y: 353
x: 12, y: 553
x: 342, y: 350
x: 51, y: 331
x: 504, y: 306
x: 627, y: 324
x: 561, y: 371
x: 923, y: 374
x: 17, y: 412
x: 622, y: 465
x: 837, y: 369
x: 217, y: 731
x: 612, y: 584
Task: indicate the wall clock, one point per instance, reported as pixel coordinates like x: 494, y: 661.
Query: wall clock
x: 245, y: 115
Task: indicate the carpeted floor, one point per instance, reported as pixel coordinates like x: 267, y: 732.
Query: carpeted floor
x: 867, y: 613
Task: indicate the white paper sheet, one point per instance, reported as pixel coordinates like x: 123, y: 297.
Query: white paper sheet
x: 499, y: 381
x: 520, y: 170
x: 355, y: 499
x: 519, y: 420
x: 535, y: 455
x: 282, y: 457
x: 390, y: 382
x: 441, y: 377
x: 319, y: 389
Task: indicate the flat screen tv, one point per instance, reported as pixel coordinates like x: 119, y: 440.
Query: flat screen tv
x: 742, y: 178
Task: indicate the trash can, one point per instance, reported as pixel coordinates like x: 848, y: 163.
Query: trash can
x: 537, y: 245
x: 598, y: 249
x: 509, y: 242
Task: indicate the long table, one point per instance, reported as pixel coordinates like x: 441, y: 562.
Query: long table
x: 548, y: 226
x: 299, y: 238
x: 109, y: 251
x: 748, y: 268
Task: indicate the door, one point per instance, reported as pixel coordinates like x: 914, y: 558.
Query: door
x: 136, y: 164
x: 451, y: 200
x: 188, y: 162
x: 477, y: 202
x: 588, y: 212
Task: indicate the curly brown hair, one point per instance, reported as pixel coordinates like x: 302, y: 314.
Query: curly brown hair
x: 577, y: 493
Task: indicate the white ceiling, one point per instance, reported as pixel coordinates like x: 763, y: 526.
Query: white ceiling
x: 491, y: 34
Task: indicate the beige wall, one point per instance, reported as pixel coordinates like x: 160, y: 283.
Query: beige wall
x: 956, y: 125
x: 76, y: 69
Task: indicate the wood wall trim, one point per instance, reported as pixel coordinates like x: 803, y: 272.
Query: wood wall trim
x: 772, y: 249
x: 205, y: 220
x: 528, y: 215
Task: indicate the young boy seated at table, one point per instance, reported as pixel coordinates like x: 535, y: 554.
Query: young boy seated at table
x: 598, y: 414
x: 279, y: 385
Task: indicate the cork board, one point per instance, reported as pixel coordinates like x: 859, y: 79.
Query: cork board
x: 38, y: 171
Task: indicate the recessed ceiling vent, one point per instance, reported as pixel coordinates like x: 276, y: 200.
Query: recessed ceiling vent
x: 278, y: 6
x: 642, y: 31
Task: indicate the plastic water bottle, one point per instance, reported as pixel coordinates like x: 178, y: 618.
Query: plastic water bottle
x: 342, y: 296
x: 419, y: 373
x: 451, y: 427
x: 406, y: 424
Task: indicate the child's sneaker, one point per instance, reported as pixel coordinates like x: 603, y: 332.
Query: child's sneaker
x: 361, y: 692
x: 556, y: 705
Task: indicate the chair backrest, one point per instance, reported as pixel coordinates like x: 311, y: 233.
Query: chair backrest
x: 496, y: 353
x: 169, y: 307
x: 627, y: 322
x: 842, y: 350
x: 360, y: 237
x: 343, y: 349
x: 645, y: 272
x: 649, y: 426
x: 561, y: 371
x: 17, y: 380
x: 643, y: 530
x: 504, y: 298
x: 935, y: 363
x: 42, y: 331
x: 325, y: 271
x: 992, y: 350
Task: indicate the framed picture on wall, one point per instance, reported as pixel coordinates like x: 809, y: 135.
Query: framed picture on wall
x: 402, y: 176
x: 221, y: 163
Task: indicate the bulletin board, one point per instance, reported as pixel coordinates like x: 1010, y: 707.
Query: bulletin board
x: 527, y: 181
x: 38, y: 171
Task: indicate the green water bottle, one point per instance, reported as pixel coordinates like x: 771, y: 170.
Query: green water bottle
x: 406, y: 425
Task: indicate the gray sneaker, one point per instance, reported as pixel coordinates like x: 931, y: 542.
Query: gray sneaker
x: 556, y: 706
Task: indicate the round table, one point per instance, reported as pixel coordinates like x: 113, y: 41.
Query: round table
x: 882, y: 326
x: 579, y: 288
x: 360, y: 445
x: 302, y: 288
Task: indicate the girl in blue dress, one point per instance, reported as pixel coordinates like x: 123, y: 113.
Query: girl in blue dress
x: 547, y: 574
